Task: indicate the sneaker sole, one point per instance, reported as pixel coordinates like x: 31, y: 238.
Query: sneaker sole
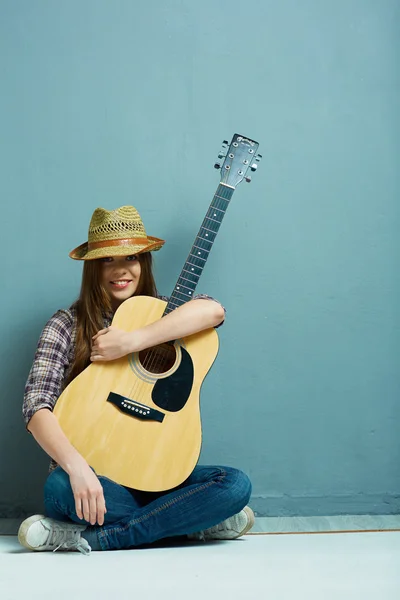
x: 23, y: 531
x: 251, y: 520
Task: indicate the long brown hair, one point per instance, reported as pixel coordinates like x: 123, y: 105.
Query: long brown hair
x: 94, y: 303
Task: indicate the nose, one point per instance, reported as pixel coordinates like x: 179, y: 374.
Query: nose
x: 119, y: 267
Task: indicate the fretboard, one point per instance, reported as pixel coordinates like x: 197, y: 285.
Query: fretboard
x: 195, y: 262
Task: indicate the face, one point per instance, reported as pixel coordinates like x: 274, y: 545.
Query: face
x: 120, y: 276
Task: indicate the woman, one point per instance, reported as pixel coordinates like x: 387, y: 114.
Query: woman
x: 84, y: 511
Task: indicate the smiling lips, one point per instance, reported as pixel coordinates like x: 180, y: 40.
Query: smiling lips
x: 121, y: 283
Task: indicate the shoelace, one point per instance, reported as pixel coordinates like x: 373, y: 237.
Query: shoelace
x: 203, y: 535
x: 67, y: 538
x: 83, y: 548
x: 220, y: 527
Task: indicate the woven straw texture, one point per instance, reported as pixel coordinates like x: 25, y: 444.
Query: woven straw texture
x: 124, y: 222
x: 119, y: 224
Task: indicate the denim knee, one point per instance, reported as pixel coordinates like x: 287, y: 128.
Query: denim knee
x: 240, y: 488
x: 57, y: 483
x: 57, y: 491
x: 246, y: 487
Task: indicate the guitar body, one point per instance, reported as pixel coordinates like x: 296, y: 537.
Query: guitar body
x: 122, y: 436
x: 136, y: 420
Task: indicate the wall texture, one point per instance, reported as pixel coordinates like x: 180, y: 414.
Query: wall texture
x: 108, y: 103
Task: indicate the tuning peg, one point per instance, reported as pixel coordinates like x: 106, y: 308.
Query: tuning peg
x: 253, y: 167
x: 258, y: 157
x: 220, y: 155
x: 225, y: 143
x: 248, y: 179
x: 217, y: 166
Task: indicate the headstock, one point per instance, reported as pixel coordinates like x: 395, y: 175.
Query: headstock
x: 239, y: 156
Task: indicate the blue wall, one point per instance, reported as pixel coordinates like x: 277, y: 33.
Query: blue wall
x: 107, y: 103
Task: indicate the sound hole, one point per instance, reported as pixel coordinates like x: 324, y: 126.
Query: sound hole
x: 158, y: 359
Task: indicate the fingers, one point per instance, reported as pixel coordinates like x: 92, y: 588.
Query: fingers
x: 85, y: 509
x: 101, y: 332
x: 92, y: 508
x: 96, y: 350
x: 101, y: 509
x: 78, y: 507
x: 88, y: 494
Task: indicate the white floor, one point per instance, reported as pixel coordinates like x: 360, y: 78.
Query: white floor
x: 330, y: 566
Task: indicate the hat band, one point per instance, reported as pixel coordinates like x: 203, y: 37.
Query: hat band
x: 125, y: 242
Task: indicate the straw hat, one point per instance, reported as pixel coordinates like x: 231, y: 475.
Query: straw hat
x: 118, y: 232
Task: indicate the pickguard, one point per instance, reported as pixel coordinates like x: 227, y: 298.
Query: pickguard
x: 171, y: 393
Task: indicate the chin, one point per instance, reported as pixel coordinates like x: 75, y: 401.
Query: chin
x: 123, y: 296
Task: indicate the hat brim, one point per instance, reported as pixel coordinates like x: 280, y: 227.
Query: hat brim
x: 82, y: 252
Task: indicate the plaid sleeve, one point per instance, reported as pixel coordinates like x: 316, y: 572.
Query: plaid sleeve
x: 50, y: 364
x: 204, y: 297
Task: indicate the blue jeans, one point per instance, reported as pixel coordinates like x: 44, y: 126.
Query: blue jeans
x: 209, y: 496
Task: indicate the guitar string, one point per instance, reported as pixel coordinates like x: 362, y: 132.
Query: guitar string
x: 148, y: 364
x: 153, y: 356
x: 137, y: 391
x: 202, y: 243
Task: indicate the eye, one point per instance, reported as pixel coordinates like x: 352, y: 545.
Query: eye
x: 131, y: 258
x: 106, y: 259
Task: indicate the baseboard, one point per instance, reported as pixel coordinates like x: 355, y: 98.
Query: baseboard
x: 311, y: 506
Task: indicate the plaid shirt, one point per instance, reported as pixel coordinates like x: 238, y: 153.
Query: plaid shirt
x: 53, y: 361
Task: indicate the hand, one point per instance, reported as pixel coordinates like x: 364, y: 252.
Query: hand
x: 88, y: 493
x: 111, y: 343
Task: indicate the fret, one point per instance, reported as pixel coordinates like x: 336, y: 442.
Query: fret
x: 204, y: 239
x: 176, y: 301
x: 217, y: 219
x: 189, y: 280
x: 184, y: 293
x: 214, y: 220
x: 199, y: 266
x: 185, y: 275
x: 185, y: 286
x: 208, y: 238
x: 177, y: 293
x: 215, y: 233
x: 219, y: 202
x: 191, y: 286
x: 198, y: 257
x: 200, y: 247
x: 206, y: 231
x: 191, y: 273
x: 170, y: 302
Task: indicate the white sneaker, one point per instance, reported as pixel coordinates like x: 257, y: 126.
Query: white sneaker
x: 43, y: 534
x: 230, y: 529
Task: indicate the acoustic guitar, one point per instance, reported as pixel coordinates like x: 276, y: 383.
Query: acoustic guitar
x: 136, y: 420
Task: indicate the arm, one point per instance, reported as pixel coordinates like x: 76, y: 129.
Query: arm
x: 87, y: 490
x: 46, y: 430
x: 189, y: 318
x: 42, y: 390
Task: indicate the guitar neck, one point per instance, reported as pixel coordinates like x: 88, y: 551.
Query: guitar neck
x: 197, y: 258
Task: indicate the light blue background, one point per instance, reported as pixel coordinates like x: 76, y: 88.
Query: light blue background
x: 105, y: 103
